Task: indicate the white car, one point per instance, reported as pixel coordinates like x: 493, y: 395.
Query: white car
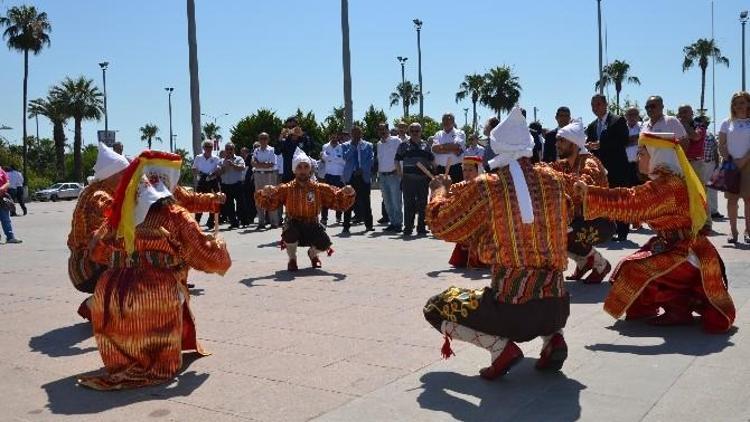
x: 59, y: 191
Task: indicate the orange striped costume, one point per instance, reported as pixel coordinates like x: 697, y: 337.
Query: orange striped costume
x: 89, y: 215
x: 527, y: 297
x: 587, y: 168
x: 660, y: 274
x: 141, y: 315
x: 304, y: 201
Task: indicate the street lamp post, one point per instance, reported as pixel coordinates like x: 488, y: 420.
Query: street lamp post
x: 418, y: 25
x: 403, y: 60
x: 104, y: 65
x: 743, y: 21
x: 171, y: 137
x: 601, y: 73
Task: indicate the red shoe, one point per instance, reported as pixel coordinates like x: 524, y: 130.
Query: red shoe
x: 292, y: 265
x: 580, y: 272
x: 553, y: 355
x: 315, y: 262
x: 84, y: 311
x: 510, y: 357
x: 668, y: 319
x: 597, y: 277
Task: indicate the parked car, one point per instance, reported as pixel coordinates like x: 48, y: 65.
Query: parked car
x: 59, y: 191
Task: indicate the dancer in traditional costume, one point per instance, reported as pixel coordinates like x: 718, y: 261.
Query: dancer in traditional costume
x: 524, y: 209
x: 577, y: 163
x: 88, y: 216
x: 140, y: 314
x: 678, y: 270
x: 466, y: 254
x: 303, y: 200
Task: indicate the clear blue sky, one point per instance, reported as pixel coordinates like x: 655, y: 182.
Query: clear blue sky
x: 286, y: 54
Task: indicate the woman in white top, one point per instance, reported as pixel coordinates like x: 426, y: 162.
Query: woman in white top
x: 734, y: 144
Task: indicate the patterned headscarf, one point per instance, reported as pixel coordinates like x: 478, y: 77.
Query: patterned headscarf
x: 665, y: 152
x: 152, y: 176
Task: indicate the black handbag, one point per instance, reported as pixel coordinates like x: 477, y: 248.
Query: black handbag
x: 6, y: 203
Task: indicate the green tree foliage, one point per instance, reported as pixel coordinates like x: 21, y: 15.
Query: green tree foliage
x: 210, y: 131
x: 429, y: 125
x: 701, y: 51
x: 186, y: 171
x: 471, y: 88
x: 81, y: 100
x: 148, y: 134
x: 246, y: 131
x: 310, y: 126
x: 501, y: 90
x: 617, y: 73
x: 371, y: 121
x: 25, y: 31
x: 53, y: 109
x: 407, y: 93
x: 334, y: 122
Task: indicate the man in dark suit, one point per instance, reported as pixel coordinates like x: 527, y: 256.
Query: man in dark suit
x: 358, y: 157
x: 550, y: 138
x: 606, y: 138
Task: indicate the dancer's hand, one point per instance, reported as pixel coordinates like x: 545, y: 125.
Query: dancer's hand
x: 348, y: 190
x: 580, y: 187
x: 440, y: 181
x: 221, y: 198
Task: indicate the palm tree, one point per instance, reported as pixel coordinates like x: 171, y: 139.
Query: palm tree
x: 501, y: 89
x: 346, y: 58
x: 702, y: 50
x: 195, y: 95
x: 52, y: 108
x: 471, y: 87
x: 211, y: 131
x: 26, y: 30
x: 407, y: 94
x: 616, y: 73
x: 81, y: 100
x: 148, y: 133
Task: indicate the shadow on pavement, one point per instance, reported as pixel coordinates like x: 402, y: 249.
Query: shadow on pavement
x: 685, y: 340
x: 474, y: 274
x: 523, y: 394
x: 618, y: 246
x: 587, y: 293
x: 62, y: 341
x: 67, y: 398
x: 287, y: 276
x: 274, y: 244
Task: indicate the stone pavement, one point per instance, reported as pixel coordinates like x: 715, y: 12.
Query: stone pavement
x: 348, y: 342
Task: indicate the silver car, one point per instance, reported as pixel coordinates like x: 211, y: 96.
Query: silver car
x: 59, y: 191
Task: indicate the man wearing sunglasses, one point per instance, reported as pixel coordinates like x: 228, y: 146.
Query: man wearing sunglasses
x: 414, y: 184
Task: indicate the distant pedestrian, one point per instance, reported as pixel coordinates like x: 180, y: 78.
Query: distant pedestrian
x: 359, y: 156
x: 5, y: 212
x: 16, y: 187
x: 414, y: 183
x: 264, y: 174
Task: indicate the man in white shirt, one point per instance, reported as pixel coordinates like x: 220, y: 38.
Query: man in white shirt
x: 206, y: 168
x: 390, y: 180
x: 333, y: 157
x: 16, y: 187
x: 633, y: 119
x: 448, y: 145
x: 264, y: 174
x: 659, y: 122
x: 473, y: 149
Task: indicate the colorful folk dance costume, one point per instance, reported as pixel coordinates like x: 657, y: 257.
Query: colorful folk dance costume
x: 679, y: 269
x: 524, y: 211
x: 88, y: 216
x: 140, y: 310
x: 303, y: 200
x: 583, y: 235
x: 465, y: 255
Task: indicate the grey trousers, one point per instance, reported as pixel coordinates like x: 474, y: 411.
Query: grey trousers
x: 262, y: 179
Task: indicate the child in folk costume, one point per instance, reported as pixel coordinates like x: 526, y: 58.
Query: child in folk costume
x: 466, y: 254
x: 303, y: 199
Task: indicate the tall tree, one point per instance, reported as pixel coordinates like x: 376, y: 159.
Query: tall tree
x: 471, y: 87
x: 53, y: 109
x: 246, y: 131
x: 501, y: 89
x: 373, y: 117
x: 346, y: 59
x: 81, y: 100
x: 148, y: 133
x: 25, y: 31
x: 211, y: 131
x: 195, y: 95
x: 334, y: 122
x: 701, y: 51
x: 616, y: 73
x: 407, y: 94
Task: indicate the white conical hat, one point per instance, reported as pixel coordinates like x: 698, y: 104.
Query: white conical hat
x: 575, y: 133
x: 108, y: 163
x: 300, y: 157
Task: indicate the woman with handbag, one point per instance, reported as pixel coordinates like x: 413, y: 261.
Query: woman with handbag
x: 734, y: 145
x: 6, y: 203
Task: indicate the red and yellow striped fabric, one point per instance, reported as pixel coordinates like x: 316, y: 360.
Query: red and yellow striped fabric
x: 141, y: 315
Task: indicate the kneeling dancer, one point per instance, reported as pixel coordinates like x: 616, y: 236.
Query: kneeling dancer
x: 303, y: 200
x: 524, y: 209
x: 679, y: 269
x: 140, y: 309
